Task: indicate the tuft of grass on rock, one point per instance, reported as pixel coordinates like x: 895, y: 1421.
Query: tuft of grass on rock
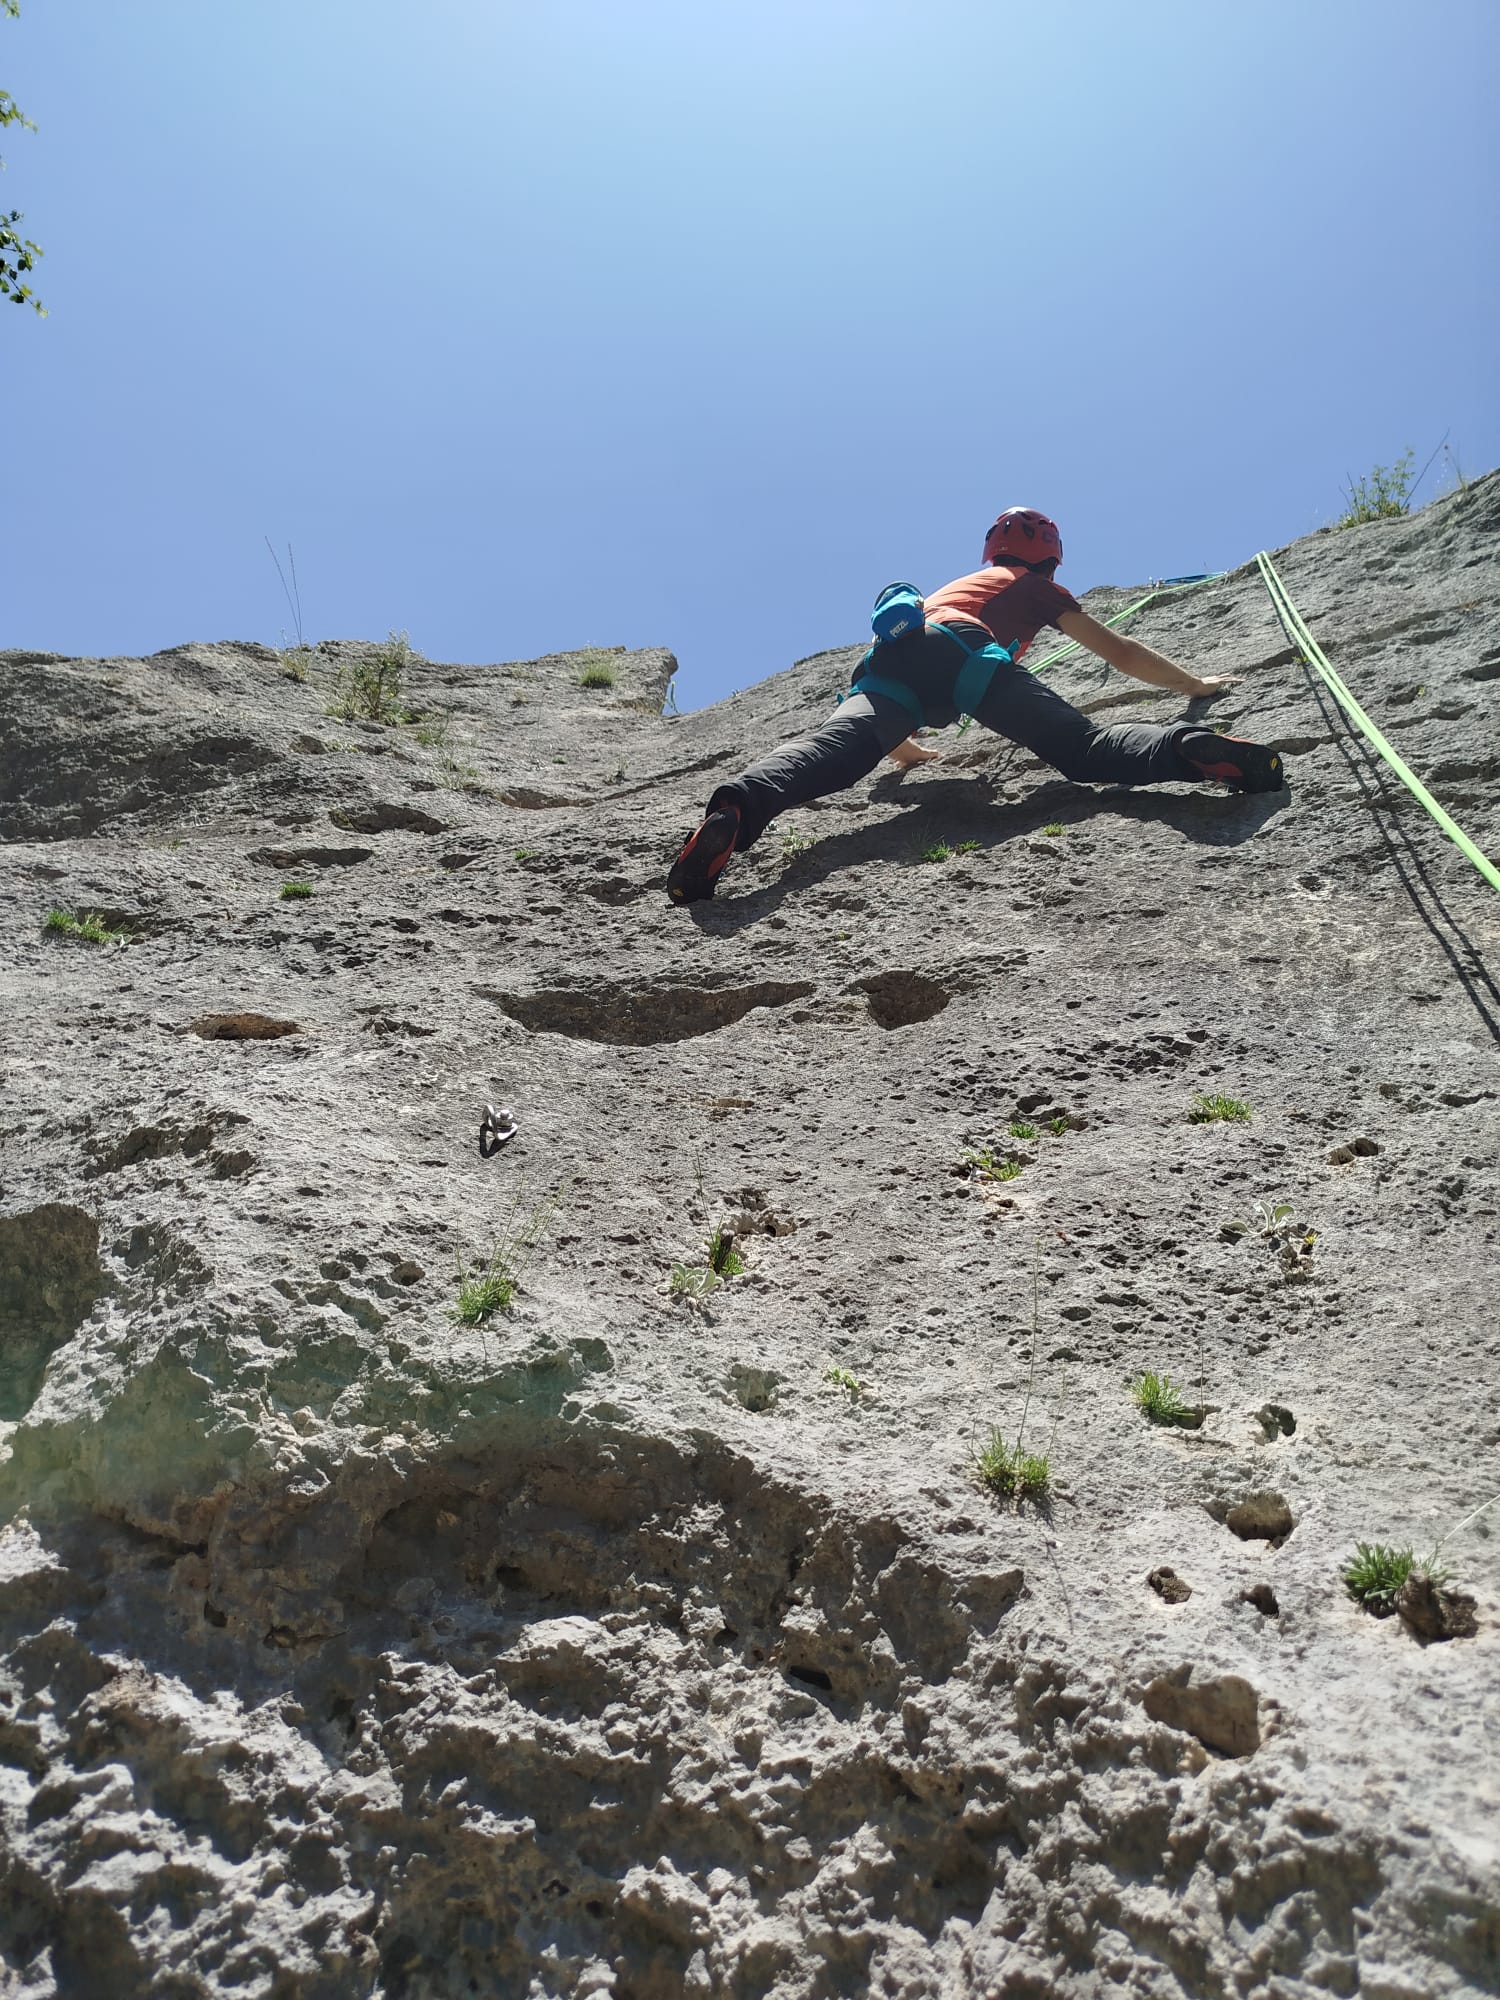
x: 1210, y: 1109
x: 1007, y: 1469
x: 486, y: 1291
x: 939, y: 851
x: 1054, y: 829
x: 1010, y: 1470
x: 296, y: 660
x: 1375, y: 1573
x: 990, y: 1165
x: 87, y: 924
x: 845, y: 1379
x: 1157, y: 1399
x: 1057, y: 1126
x: 723, y: 1259
x: 1019, y: 1129
x: 372, y: 689
x: 491, y: 1286
x: 967, y: 847
x: 1383, y: 493
x: 596, y: 669
x: 295, y: 892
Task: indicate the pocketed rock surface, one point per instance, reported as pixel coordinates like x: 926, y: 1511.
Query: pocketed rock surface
x: 608, y: 1646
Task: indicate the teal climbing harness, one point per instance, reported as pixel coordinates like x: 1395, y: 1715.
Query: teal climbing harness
x: 969, y: 690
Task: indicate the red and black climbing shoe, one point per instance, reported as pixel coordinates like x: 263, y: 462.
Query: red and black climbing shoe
x: 696, y: 871
x: 1233, y: 761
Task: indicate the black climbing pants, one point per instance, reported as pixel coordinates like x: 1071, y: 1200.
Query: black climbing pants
x: 1017, y: 705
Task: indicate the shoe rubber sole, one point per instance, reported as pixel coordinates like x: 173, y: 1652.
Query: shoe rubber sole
x: 1249, y: 767
x: 696, y: 871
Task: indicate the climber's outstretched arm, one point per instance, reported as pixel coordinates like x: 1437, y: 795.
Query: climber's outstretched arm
x: 1132, y: 658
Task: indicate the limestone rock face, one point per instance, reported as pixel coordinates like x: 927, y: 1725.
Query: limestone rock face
x: 649, y: 1634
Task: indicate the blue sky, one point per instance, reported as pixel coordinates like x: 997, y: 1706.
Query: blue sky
x: 671, y: 323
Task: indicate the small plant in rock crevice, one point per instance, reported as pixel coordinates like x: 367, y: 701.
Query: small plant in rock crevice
x: 989, y: 1165
x: 1375, y: 1573
x: 794, y: 843
x: 1383, y: 493
x: 1054, y: 830
x: 1019, y: 1129
x: 1213, y: 1108
x: 1008, y: 1469
x: 88, y: 925
x: 489, y: 1287
x: 1157, y: 1398
x: 297, y: 661
x: 846, y: 1380
x: 694, y: 1282
x: 372, y: 688
x: 1456, y: 482
x: 939, y: 851
x: 723, y: 1259
x: 599, y: 676
x: 1293, y: 1241
x: 487, y: 1290
x: 293, y: 892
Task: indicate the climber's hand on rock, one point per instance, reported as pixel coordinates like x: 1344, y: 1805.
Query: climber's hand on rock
x: 1216, y: 683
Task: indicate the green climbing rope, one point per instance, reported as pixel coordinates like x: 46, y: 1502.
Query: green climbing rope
x: 1307, y: 645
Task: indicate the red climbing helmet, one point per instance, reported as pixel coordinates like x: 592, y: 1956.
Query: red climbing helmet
x: 1025, y: 534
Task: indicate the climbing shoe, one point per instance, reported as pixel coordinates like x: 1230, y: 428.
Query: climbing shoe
x: 1233, y: 761
x: 696, y: 871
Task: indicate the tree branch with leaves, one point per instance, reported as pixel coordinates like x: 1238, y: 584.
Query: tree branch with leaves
x: 18, y: 254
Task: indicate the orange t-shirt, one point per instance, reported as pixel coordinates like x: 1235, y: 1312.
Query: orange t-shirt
x: 1011, y: 604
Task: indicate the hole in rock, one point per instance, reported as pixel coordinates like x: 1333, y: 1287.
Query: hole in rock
x: 50, y: 1276
x: 813, y: 1677
x: 635, y: 1016
x: 896, y: 999
x: 754, y: 1389
x: 378, y: 1022
x: 1169, y: 1586
x: 315, y: 857
x: 241, y: 1028
x: 1260, y: 1517
x: 384, y: 817
x: 533, y: 800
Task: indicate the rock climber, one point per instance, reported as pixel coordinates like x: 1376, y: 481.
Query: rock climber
x: 1002, y: 605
